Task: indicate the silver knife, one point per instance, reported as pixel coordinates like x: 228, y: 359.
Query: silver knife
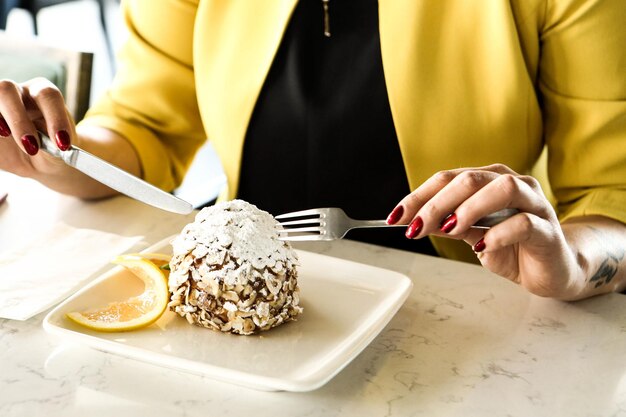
x: 116, y: 178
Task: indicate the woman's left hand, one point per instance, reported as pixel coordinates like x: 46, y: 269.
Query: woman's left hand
x: 529, y: 248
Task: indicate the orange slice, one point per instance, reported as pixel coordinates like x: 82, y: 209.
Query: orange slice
x: 161, y: 260
x: 134, y: 312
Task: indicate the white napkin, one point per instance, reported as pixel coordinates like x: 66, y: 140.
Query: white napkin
x: 52, y: 266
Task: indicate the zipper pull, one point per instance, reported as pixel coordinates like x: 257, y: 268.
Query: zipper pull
x: 326, y: 18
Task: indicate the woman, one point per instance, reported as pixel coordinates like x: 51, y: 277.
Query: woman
x: 322, y: 103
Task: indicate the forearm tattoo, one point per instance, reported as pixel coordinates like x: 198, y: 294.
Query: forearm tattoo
x: 610, y: 265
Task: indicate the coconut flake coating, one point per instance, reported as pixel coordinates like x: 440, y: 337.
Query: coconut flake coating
x: 230, y: 272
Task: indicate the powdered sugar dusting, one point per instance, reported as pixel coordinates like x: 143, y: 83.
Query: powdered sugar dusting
x: 237, y: 236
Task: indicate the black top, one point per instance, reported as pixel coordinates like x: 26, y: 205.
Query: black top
x: 322, y: 124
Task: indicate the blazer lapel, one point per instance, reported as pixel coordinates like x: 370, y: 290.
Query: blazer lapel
x: 231, y: 66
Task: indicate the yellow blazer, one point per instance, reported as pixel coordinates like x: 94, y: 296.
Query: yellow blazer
x: 470, y: 83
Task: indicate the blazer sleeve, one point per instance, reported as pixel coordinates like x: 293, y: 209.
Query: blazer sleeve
x: 152, y: 100
x: 582, y: 80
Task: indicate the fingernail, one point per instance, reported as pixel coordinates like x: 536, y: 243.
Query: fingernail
x: 480, y: 245
x: 395, y: 215
x: 63, y: 140
x: 414, y: 228
x: 30, y: 144
x: 448, y: 223
x: 5, y: 132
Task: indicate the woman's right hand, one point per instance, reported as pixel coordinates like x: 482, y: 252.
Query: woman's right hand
x: 25, y: 108
x: 38, y: 105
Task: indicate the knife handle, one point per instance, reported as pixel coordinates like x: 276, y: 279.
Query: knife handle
x: 48, y: 146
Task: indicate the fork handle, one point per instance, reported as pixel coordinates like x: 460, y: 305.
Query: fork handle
x: 484, y: 223
x: 495, y: 218
x: 357, y: 224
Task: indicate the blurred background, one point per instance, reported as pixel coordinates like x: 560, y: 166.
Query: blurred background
x: 76, y: 25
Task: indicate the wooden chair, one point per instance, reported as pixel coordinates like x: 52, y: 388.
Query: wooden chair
x: 24, y: 58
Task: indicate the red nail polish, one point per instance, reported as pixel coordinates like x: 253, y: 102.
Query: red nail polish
x: 63, y: 140
x: 4, y: 129
x: 30, y: 144
x: 449, y: 223
x: 480, y: 245
x: 414, y: 228
x: 395, y: 215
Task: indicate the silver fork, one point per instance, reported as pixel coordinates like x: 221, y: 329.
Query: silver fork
x: 332, y: 223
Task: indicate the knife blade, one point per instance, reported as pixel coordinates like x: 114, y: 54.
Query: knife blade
x: 116, y: 178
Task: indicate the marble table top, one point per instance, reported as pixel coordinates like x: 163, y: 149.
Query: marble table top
x: 465, y: 343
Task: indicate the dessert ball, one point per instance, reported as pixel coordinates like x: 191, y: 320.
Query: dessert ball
x: 230, y: 272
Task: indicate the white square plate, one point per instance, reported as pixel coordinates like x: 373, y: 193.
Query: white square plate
x: 346, y: 304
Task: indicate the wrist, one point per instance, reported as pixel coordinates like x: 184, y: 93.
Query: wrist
x: 597, y: 247
x: 579, y: 272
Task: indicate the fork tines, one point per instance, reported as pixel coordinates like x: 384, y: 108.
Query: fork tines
x: 306, y: 223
